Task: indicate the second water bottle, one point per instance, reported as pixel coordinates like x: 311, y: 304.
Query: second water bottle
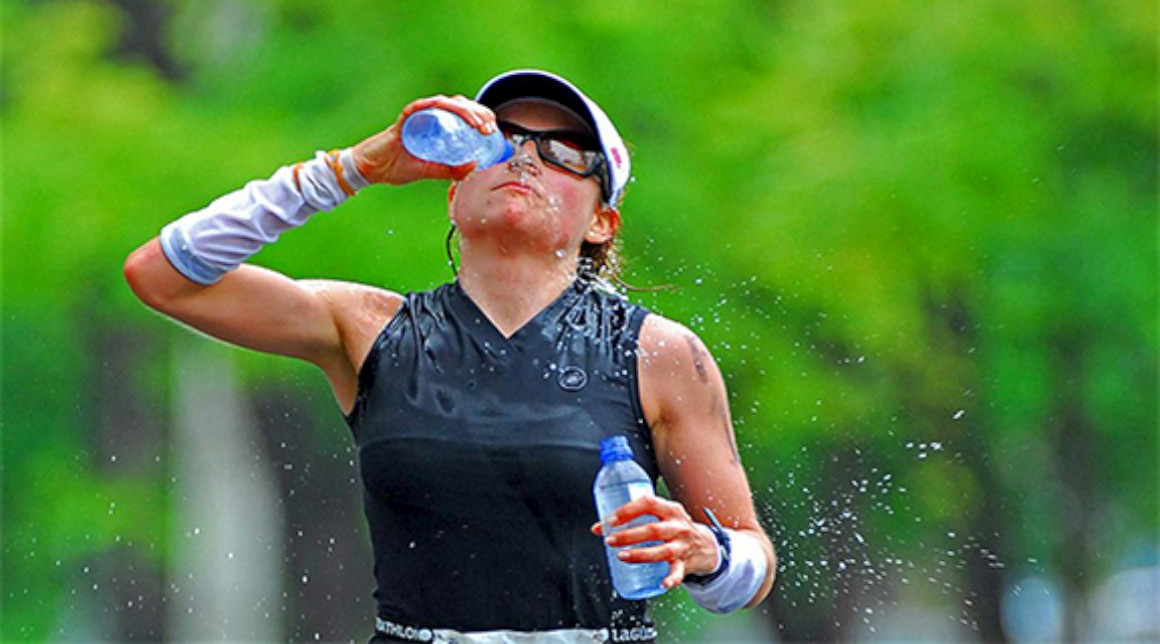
x: 619, y: 481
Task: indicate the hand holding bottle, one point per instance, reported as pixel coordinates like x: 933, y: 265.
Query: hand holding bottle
x: 619, y: 481
x: 381, y: 158
x: 652, y: 542
x: 688, y: 546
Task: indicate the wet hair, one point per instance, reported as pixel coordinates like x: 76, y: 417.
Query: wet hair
x: 600, y: 261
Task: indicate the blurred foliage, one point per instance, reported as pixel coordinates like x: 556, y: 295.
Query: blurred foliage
x: 920, y: 238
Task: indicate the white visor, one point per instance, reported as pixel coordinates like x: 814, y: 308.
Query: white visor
x: 534, y: 83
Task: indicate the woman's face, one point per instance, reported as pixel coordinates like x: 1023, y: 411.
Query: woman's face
x: 526, y: 204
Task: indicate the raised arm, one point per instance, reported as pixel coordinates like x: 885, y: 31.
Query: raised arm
x: 194, y: 270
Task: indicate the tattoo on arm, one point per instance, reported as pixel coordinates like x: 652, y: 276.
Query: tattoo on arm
x: 721, y: 410
x: 698, y: 359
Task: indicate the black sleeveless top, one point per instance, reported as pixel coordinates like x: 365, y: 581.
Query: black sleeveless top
x: 477, y: 455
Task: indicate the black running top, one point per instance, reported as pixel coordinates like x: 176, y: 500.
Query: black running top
x: 478, y: 453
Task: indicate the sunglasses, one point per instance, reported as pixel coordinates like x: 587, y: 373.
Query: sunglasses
x: 570, y: 151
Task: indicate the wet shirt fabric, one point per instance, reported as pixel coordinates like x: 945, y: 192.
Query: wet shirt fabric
x: 477, y: 454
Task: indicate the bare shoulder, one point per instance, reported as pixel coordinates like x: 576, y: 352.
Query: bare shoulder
x: 670, y: 349
x: 675, y: 369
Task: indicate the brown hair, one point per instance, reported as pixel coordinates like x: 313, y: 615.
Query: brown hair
x: 600, y: 260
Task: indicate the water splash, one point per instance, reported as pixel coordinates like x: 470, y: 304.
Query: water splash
x: 844, y: 545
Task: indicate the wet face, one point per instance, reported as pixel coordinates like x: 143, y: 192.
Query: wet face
x: 526, y: 204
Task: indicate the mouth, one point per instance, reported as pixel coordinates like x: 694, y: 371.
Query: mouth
x: 516, y: 186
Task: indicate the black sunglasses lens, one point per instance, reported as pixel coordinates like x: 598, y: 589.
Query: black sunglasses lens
x: 561, y: 149
x: 577, y: 160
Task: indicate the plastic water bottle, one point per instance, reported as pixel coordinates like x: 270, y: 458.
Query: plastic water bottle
x: 619, y: 481
x: 443, y: 137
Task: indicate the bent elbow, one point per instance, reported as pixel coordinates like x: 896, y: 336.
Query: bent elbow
x: 150, y: 276
x: 136, y: 273
x: 770, y: 577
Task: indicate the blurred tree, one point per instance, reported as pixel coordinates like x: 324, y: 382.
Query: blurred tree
x: 144, y: 35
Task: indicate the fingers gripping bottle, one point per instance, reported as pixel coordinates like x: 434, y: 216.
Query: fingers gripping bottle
x: 443, y: 137
x: 619, y: 481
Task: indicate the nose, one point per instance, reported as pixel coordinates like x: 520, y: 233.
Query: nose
x: 523, y: 158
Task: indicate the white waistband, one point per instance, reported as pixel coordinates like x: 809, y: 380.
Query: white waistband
x: 562, y: 636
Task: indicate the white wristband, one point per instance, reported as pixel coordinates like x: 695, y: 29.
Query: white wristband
x: 740, y: 581
x: 206, y: 244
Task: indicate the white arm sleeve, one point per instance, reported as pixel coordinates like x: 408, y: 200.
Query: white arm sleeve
x: 208, y: 243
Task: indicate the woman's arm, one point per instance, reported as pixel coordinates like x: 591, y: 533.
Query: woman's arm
x: 195, y: 273
x: 686, y: 405
x: 330, y: 324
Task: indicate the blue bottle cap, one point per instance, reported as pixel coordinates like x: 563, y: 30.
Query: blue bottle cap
x: 615, y: 448
x: 508, y: 150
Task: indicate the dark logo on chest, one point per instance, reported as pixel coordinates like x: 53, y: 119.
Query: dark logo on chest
x: 572, y: 378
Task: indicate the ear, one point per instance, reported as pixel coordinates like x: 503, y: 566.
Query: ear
x: 451, y: 199
x: 604, y: 225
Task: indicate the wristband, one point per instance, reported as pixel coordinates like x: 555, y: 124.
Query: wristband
x: 206, y: 244
x: 737, y: 583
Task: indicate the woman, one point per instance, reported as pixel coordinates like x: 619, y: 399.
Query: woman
x: 478, y: 407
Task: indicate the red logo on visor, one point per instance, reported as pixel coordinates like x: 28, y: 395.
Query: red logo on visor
x: 616, y: 157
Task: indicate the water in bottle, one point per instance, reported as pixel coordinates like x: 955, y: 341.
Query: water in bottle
x: 619, y: 481
x: 443, y: 137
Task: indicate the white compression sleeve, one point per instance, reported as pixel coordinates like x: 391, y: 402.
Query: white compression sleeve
x: 206, y: 244
x: 740, y: 581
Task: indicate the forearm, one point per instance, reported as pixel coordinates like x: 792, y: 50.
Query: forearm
x: 190, y: 272
x: 770, y: 556
x: 206, y: 244
x: 744, y: 572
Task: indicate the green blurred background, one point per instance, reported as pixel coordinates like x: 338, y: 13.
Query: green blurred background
x: 920, y: 238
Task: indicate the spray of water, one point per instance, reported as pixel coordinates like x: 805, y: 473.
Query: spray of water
x: 857, y: 535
